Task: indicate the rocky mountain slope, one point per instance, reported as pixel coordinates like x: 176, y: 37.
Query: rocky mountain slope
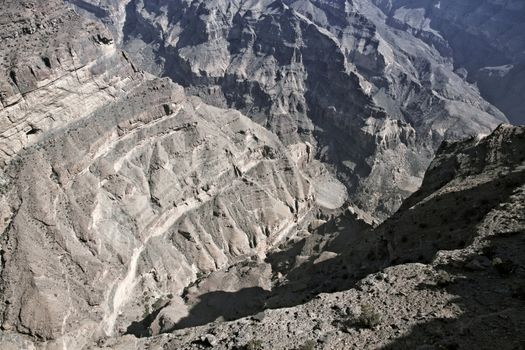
x: 485, y: 39
x: 333, y: 75
x: 52, y: 73
x: 447, y: 271
x: 118, y: 190
x: 138, y: 212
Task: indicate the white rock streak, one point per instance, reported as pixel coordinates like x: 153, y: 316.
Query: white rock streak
x: 124, y: 288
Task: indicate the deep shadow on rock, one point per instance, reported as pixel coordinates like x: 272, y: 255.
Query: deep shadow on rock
x: 492, y: 301
x: 141, y: 328
x: 454, y: 226
x: 226, y: 306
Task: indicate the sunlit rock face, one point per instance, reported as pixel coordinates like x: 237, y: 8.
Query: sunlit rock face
x: 420, y: 270
x: 55, y: 68
x: 134, y: 201
x: 334, y: 74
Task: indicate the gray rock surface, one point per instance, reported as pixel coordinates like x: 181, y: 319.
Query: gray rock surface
x: 475, y: 187
x: 134, y: 215
x: 56, y: 67
x: 484, y: 38
x: 371, y: 102
x: 119, y: 191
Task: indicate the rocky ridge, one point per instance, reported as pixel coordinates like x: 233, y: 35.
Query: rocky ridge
x: 53, y: 73
x: 484, y: 39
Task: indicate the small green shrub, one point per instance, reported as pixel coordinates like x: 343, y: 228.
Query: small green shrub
x: 309, y: 345
x: 443, y: 279
x: 254, y: 344
x: 369, y: 317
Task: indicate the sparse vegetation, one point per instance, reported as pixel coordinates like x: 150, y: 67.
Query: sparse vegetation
x: 309, y: 345
x: 160, y: 302
x: 147, y: 311
x: 443, y: 279
x: 254, y: 344
x: 368, y: 318
x: 503, y: 267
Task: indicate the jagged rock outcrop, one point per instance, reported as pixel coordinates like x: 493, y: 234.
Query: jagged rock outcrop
x: 453, y: 208
x: 466, y: 229
x: 330, y: 74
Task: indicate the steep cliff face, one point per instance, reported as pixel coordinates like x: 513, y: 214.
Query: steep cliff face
x: 454, y: 207
x: 485, y: 39
x: 53, y: 72
x: 330, y: 74
x: 130, y: 208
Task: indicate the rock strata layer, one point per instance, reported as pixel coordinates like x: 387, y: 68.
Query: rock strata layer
x: 141, y: 213
x: 484, y: 39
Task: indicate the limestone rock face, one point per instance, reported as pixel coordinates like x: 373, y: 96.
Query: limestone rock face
x: 333, y: 74
x: 56, y: 67
x: 133, y: 205
x: 464, y: 186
